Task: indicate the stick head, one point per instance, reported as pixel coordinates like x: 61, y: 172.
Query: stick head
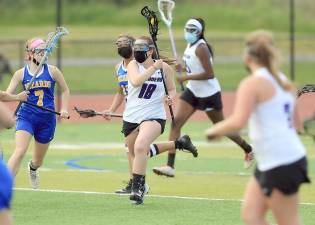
x: 306, y: 89
x: 153, y: 21
x: 166, y: 8
x: 54, y: 37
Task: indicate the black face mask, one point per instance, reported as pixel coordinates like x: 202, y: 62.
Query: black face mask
x: 125, y: 52
x: 140, y: 56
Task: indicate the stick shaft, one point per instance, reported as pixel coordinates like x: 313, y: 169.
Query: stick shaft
x: 43, y: 108
x: 163, y: 80
x: 175, y: 54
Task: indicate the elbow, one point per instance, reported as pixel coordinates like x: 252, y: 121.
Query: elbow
x: 238, y: 124
x: 9, y: 123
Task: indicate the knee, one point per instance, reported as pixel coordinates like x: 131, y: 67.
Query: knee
x: 141, y: 149
x: 250, y: 218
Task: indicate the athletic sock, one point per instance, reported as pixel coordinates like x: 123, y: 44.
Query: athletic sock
x: 178, y: 144
x: 171, y: 159
x: 154, y: 150
x: 246, y: 147
x: 32, y: 167
x: 138, y: 179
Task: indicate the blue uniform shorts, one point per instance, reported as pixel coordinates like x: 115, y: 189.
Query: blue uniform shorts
x: 42, y: 126
x: 6, y: 185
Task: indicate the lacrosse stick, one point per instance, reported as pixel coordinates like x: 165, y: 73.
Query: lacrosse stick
x: 51, y: 43
x: 86, y: 113
x: 309, y: 127
x: 166, y: 7
x: 153, y: 25
x: 308, y: 88
x: 43, y: 108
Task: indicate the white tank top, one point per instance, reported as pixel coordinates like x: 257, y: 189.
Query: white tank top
x: 274, y: 138
x: 200, y: 88
x: 146, y: 101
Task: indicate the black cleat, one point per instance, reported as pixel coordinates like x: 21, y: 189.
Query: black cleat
x: 137, y: 193
x: 126, y: 190
x: 187, y: 145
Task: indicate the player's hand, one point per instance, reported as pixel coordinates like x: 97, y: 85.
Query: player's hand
x: 179, y: 68
x: 22, y: 96
x: 211, y: 136
x: 107, y: 114
x: 64, y: 114
x: 158, y: 64
x: 182, y: 78
x: 168, y: 100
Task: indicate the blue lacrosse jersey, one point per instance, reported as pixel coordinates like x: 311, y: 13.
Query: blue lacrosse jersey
x: 41, y: 91
x: 39, y: 123
x: 122, y: 78
x: 6, y: 185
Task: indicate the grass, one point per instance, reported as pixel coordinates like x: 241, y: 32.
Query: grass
x: 219, y: 15
x: 216, y: 174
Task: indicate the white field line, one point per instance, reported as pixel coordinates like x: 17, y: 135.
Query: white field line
x: 116, y: 145
x: 149, y: 195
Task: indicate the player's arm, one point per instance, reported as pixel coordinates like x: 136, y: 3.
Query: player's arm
x: 137, y: 79
x: 15, y: 81
x: 246, y: 99
x: 6, y: 119
x: 169, y: 81
x: 65, y: 92
x: 202, y: 52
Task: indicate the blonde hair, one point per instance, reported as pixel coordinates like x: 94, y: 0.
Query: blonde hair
x: 260, y: 48
x: 167, y: 60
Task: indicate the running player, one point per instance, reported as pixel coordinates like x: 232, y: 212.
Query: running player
x: 6, y: 186
x: 6, y: 182
x: 203, y: 92
x: 33, y: 121
x: 124, y: 47
x: 144, y: 116
x: 267, y: 99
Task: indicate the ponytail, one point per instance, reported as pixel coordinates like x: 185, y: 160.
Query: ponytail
x: 203, y: 37
x: 261, y: 49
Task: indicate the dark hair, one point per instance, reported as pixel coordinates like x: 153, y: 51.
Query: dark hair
x: 203, y: 37
x: 167, y: 60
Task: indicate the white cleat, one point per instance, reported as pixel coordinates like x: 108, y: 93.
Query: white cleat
x: 249, y: 160
x: 34, y: 177
x: 164, y: 171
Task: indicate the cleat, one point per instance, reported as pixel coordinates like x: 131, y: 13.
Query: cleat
x: 249, y: 160
x: 137, y: 194
x: 34, y: 177
x: 125, y: 190
x: 187, y: 145
x: 164, y: 171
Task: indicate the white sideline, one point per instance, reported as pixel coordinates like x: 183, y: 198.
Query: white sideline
x: 115, y: 145
x: 149, y: 195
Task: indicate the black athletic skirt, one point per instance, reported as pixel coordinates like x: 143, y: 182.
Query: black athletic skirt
x: 129, y: 127
x: 286, y: 178
x: 205, y: 104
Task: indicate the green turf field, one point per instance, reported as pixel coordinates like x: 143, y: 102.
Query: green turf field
x: 86, y: 164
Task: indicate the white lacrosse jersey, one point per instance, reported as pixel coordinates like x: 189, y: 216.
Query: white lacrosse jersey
x: 274, y: 138
x: 200, y: 88
x: 146, y: 101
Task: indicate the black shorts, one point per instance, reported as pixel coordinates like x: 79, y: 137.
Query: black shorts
x: 129, y: 127
x: 286, y: 179
x: 204, y: 104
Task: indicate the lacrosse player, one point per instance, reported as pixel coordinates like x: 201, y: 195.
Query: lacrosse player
x: 33, y: 121
x: 124, y: 47
x: 6, y: 180
x: 268, y: 101
x: 144, y: 116
x: 203, y: 91
x: 6, y: 187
